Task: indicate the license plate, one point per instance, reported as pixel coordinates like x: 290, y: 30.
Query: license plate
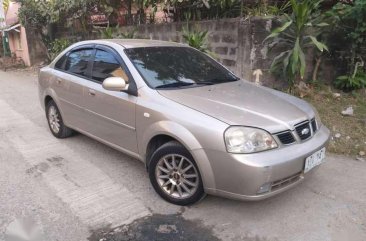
x: 314, y: 160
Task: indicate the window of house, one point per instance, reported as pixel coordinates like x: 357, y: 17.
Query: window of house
x: 105, y: 66
x: 77, y: 62
x: 19, y: 41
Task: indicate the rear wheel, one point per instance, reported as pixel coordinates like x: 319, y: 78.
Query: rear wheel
x: 55, y: 121
x: 174, y: 175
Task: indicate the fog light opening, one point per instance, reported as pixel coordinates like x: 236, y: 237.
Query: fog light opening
x: 265, y: 188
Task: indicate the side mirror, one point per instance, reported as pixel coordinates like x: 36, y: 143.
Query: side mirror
x: 115, y: 84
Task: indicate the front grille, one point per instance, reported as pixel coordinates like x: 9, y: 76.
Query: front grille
x: 314, y: 125
x: 303, y: 130
x: 286, y: 138
x: 285, y: 182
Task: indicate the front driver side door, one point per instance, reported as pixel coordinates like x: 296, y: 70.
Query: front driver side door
x: 111, y: 114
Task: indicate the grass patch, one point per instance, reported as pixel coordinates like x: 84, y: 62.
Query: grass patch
x: 351, y: 128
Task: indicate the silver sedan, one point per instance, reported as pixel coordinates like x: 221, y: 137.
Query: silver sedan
x: 198, y: 128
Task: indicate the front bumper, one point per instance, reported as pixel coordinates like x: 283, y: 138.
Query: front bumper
x: 240, y: 176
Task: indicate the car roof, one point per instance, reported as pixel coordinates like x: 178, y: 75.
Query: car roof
x: 134, y: 43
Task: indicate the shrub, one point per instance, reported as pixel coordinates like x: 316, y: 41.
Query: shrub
x: 114, y: 32
x: 351, y: 82
x: 196, y: 39
x: 349, y: 29
x: 57, y: 46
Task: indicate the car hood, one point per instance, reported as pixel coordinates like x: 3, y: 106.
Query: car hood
x: 243, y: 103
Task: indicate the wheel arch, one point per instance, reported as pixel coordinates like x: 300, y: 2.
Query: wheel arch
x: 163, y: 132
x: 173, y: 131
x: 47, y: 100
x: 48, y: 95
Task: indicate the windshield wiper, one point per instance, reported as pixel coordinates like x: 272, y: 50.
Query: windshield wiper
x: 217, y: 81
x: 182, y: 84
x: 172, y: 85
x: 206, y: 83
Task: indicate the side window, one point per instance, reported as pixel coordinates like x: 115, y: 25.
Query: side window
x: 60, y: 63
x: 105, y: 66
x: 77, y: 62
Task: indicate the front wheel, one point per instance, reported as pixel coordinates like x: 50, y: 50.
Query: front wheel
x: 175, y: 176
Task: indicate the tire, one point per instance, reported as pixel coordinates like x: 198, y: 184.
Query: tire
x: 54, y: 118
x: 165, y: 176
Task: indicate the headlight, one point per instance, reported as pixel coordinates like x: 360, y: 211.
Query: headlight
x: 317, y: 119
x: 240, y: 139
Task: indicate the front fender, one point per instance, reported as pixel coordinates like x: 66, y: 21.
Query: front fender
x: 169, y: 128
x: 187, y: 139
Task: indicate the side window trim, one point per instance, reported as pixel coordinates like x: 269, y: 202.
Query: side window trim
x: 132, y: 83
x: 117, y: 56
x: 94, y: 47
x: 89, y: 67
x: 64, y: 63
x: 63, y: 58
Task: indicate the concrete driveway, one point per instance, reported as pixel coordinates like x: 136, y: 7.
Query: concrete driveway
x: 78, y: 189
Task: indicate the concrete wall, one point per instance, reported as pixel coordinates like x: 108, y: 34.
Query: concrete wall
x: 37, y: 50
x: 238, y: 44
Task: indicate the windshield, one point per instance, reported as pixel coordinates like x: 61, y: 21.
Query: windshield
x: 176, y: 67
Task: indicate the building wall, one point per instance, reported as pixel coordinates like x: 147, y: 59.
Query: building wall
x: 17, y: 40
x: 19, y: 46
x: 37, y: 50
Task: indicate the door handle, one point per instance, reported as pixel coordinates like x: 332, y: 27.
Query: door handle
x: 59, y: 81
x: 91, y: 92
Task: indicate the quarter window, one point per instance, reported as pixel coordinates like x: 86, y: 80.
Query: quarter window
x: 60, y: 62
x: 77, y: 62
x: 105, y: 66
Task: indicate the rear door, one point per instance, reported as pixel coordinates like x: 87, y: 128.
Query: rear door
x: 71, y: 74
x: 111, y: 114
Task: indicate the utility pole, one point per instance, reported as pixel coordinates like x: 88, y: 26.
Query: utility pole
x: 3, y: 34
x: 2, y: 15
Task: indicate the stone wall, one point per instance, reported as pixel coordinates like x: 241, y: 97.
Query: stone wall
x: 236, y: 43
x: 37, y: 50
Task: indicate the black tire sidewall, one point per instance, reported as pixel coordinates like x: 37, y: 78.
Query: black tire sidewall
x: 62, y: 126
x: 174, y: 148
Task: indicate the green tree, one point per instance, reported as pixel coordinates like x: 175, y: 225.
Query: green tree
x: 296, y: 34
x: 349, y: 29
x: 42, y: 13
x: 6, y: 4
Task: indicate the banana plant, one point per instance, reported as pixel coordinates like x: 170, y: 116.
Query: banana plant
x: 297, y: 33
x: 196, y: 39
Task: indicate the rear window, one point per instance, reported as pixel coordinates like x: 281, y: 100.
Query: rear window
x: 77, y: 61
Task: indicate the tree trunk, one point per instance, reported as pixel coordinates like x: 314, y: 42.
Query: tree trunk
x: 316, y: 69
x: 129, y: 12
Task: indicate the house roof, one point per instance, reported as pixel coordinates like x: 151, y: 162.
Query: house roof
x: 14, y: 27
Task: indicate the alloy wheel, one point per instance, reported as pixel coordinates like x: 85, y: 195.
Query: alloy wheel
x: 177, y: 176
x: 54, y: 119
